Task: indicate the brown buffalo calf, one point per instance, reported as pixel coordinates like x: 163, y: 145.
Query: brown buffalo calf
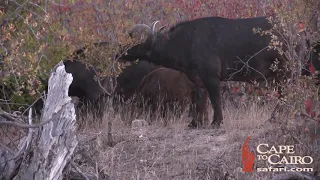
x: 154, y: 88
x: 168, y: 89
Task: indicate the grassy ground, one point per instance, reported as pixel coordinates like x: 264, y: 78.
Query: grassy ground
x: 167, y: 149
x: 177, y: 152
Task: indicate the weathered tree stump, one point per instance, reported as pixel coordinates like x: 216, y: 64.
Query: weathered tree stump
x: 46, y: 150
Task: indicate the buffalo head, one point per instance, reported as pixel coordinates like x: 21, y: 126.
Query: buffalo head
x: 145, y: 49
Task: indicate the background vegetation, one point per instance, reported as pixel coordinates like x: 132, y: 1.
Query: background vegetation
x: 36, y: 34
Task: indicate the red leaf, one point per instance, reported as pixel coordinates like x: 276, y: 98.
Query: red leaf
x: 313, y: 114
x: 235, y: 90
x: 258, y: 92
x: 312, y: 69
x: 276, y: 94
x: 308, y: 105
x: 301, y: 26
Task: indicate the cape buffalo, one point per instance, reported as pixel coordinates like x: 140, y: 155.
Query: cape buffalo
x: 152, y: 86
x: 214, y: 49
x: 85, y: 87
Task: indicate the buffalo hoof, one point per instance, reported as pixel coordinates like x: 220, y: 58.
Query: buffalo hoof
x: 193, y: 125
x: 215, y: 125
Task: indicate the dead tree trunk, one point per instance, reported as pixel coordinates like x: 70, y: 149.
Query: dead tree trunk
x: 46, y: 150
x: 55, y: 142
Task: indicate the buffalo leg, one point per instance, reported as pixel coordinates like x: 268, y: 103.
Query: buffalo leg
x: 212, y: 84
x: 198, y: 108
x: 201, y: 106
x: 196, y: 98
x: 193, y: 112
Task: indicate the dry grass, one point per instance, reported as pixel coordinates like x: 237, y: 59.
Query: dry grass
x: 170, y: 150
x: 176, y: 152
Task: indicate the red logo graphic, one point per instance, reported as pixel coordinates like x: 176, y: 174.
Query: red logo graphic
x: 247, y: 157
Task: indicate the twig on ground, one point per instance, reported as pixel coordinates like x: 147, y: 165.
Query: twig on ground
x: 79, y: 171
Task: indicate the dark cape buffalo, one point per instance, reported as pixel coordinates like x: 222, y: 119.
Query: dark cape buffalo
x: 214, y: 49
x: 92, y: 94
x: 155, y: 87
